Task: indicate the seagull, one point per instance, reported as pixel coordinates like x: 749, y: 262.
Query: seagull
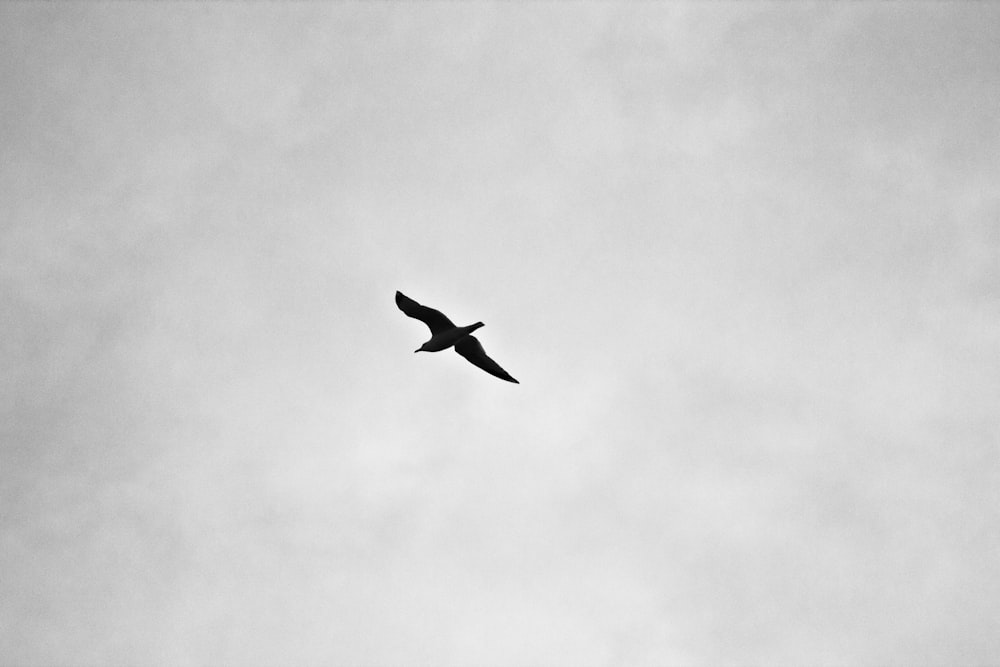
x: 444, y: 334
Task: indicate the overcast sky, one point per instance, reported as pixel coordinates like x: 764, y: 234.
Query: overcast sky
x: 743, y: 258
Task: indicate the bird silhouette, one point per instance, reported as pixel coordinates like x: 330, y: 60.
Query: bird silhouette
x: 445, y: 334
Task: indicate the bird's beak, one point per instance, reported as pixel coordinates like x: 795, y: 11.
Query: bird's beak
x: 415, y: 351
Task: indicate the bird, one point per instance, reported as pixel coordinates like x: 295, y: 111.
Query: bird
x: 445, y: 334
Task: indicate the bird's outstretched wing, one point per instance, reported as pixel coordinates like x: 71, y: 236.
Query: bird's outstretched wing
x: 470, y: 348
x: 434, y: 319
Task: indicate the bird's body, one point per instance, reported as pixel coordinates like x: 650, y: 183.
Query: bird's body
x: 445, y: 334
x: 445, y: 339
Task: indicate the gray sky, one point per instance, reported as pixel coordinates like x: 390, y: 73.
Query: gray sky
x: 743, y: 258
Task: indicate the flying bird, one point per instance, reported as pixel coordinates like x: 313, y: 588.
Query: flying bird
x: 444, y: 334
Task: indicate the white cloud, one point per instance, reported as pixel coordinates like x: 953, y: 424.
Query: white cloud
x: 740, y: 258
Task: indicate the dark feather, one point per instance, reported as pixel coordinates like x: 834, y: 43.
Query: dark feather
x: 434, y: 319
x: 470, y: 348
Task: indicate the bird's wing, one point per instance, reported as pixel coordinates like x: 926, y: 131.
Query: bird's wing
x: 470, y: 348
x: 434, y: 319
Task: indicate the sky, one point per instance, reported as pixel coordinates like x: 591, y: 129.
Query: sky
x: 743, y: 258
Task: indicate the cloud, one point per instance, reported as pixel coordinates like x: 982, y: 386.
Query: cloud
x: 740, y: 258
